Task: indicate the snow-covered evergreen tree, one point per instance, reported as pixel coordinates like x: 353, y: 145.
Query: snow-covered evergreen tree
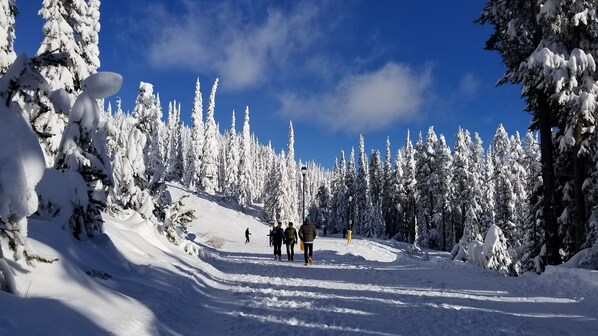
x: 488, y: 212
x: 468, y: 174
x: 60, y: 33
x: 176, y: 221
x: 209, y: 167
x: 269, y: 192
x: 504, y: 198
x: 186, y: 155
x: 88, y: 38
x: 198, y: 136
x: 292, y: 180
x: 361, y: 224
x: 22, y: 163
x: 244, y: 196
x: 8, y: 10
x: 232, y: 163
x: 148, y: 114
x: 376, y: 175
x: 340, y: 213
x: 83, y: 150
x: 533, y: 223
x: 548, y: 47
x: 397, y: 226
x: 425, y: 198
x: 174, y: 169
x: 441, y: 186
x: 495, y: 251
x: 70, y: 32
x: 281, y: 191
x: 390, y: 192
x: 128, y: 169
x: 409, y: 183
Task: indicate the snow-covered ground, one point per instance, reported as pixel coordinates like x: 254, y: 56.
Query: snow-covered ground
x: 133, y: 282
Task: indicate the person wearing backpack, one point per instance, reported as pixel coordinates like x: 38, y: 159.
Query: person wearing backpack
x: 307, y: 234
x: 290, y: 239
x: 277, y: 238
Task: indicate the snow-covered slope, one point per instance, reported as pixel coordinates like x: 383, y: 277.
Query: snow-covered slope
x: 134, y: 282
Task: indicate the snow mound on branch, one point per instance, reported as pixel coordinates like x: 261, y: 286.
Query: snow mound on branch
x: 102, y: 84
x: 21, y: 165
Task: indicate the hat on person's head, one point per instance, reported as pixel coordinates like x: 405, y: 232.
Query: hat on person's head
x: 308, y: 217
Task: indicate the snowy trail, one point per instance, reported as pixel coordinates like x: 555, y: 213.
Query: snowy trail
x: 407, y: 296
x: 370, y: 287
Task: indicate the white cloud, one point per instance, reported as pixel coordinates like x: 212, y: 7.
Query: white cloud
x: 363, y: 102
x: 219, y: 39
x: 469, y: 85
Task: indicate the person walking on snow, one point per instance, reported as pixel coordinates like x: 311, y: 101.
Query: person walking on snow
x: 247, y: 234
x: 270, y: 235
x: 290, y: 239
x: 307, y: 234
x: 277, y: 238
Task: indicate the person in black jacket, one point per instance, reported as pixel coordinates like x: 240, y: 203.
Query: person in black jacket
x: 290, y: 239
x: 247, y: 234
x: 277, y: 238
x: 307, y: 234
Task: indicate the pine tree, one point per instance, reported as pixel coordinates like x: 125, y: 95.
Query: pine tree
x: 397, y: 225
x: 209, y: 167
x: 441, y: 185
x: 533, y: 223
x: 294, y: 186
x: 425, y: 198
x: 83, y: 151
x: 63, y: 18
x: 340, y: 207
x: 22, y: 160
x: 504, y: 198
x: 390, y: 193
x: 244, y: 187
x: 174, y: 154
x: 281, y: 190
x: 8, y: 8
x: 462, y: 171
x: 376, y: 175
x: 409, y: 183
x: 547, y: 47
x: 65, y: 23
x: 186, y: 155
x: 232, y: 163
x: 268, y: 199
x: 468, y: 172
x: 129, y: 168
x: 197, y: 137
x: 362, y: 194
x: 495, y: 251
x: 519, y: 177
x: 148, y: 114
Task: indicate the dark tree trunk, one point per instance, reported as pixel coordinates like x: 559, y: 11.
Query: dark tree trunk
x: 551, y: 227
x: 579, y: 210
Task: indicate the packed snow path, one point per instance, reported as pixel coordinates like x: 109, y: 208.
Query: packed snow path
x: 343, y: 295
x: 134, y: 282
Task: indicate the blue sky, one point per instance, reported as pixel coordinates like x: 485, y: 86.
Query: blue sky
x: 335, y: 68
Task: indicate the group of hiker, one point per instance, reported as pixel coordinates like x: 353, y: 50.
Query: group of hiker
x: 290, y: 237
